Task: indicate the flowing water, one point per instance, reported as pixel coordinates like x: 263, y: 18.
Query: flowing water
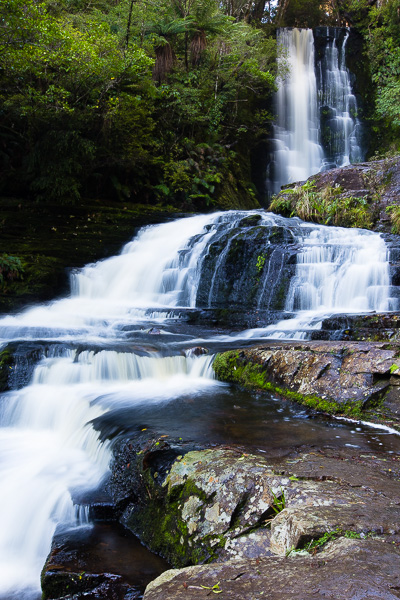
x: 297, y: 152
x: 340, y: 124
x: 116, y: 356
x: 317, y: 125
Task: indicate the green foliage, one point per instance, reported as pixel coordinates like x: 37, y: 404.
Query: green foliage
x: 260, y: 262
x: 315, y: 545
x: 328, y: 206
x: 10, y: 269
x: 118, y: 99
x: 279, y: 502
x: 394, y: 211
x: 380, y: 24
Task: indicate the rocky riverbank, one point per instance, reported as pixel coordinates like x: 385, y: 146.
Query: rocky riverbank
x: 356, y: 379
x: 302, y: 522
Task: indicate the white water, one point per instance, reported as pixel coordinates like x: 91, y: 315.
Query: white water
x: 336, y: 96
x: 307, y: 93
x: 338, y: 271
x: 49, y: 450
x: 297, y: 152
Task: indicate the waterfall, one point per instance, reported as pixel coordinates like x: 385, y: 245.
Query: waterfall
x: 297, y: 152
x: 340, y: 125
x: 51, y: 452
x: 317, y: 125
x: 109, y: 356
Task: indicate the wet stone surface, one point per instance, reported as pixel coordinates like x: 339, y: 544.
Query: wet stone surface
x: 105, y: 562
x: 347, y: 569
x: 335, y: 377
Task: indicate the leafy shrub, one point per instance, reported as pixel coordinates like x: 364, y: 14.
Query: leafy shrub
x: 10, y: 268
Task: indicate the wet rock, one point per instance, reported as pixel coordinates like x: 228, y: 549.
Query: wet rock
x: 335, y: 377
x: 370, y: 327
x: 346, y: 570
x: 248, y: 266
x: 197, y: 351
x: 6, y: 367
x: 222, y: 504
x: 105, y: 562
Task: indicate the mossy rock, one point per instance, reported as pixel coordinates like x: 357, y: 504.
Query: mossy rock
x: 6, y: 364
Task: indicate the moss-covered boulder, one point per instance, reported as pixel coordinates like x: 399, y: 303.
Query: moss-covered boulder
x: 365, y: 195
x: 220, y: 504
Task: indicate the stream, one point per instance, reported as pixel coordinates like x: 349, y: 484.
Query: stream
x: 123, y: 353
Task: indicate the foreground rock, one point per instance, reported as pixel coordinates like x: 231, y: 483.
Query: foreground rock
x: 350, y: 378
x: 347, y: 569
x: 303, y: 523
x: 308, y: 524
x: 223, y: 504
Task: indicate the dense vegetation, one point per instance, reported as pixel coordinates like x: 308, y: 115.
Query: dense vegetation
x: 159, y: 102
x: 131, y: 98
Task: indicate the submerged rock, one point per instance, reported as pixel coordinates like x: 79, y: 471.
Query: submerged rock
x: 100, y: 563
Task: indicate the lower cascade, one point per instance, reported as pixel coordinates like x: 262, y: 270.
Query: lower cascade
x: 124, y: 339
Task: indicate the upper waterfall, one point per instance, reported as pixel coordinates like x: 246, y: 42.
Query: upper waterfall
x: 297, y: 152
x: 317, y: 125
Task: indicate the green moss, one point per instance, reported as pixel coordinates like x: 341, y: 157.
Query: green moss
x: 231, y: 366
x: 161, y: 527
x: 6, y: 364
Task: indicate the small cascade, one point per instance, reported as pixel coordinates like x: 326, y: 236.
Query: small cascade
x: 338, y: 271
x: 50, y: 451
x: 297, y: 152
x: 340, y: 127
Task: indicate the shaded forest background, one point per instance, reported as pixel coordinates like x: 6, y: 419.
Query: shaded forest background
x: 161, y: 102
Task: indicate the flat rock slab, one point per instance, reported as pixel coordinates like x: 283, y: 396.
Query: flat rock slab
x: 336, y: 377
x: 346, y: 570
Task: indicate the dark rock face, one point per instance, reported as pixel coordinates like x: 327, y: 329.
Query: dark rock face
x: 248, y: 266
x: 334, y: 377
x: 6, y: 367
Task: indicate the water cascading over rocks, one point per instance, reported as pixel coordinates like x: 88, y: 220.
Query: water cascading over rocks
x: 341, y: 129
x: 117, y: 344
x: 317, y: 125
